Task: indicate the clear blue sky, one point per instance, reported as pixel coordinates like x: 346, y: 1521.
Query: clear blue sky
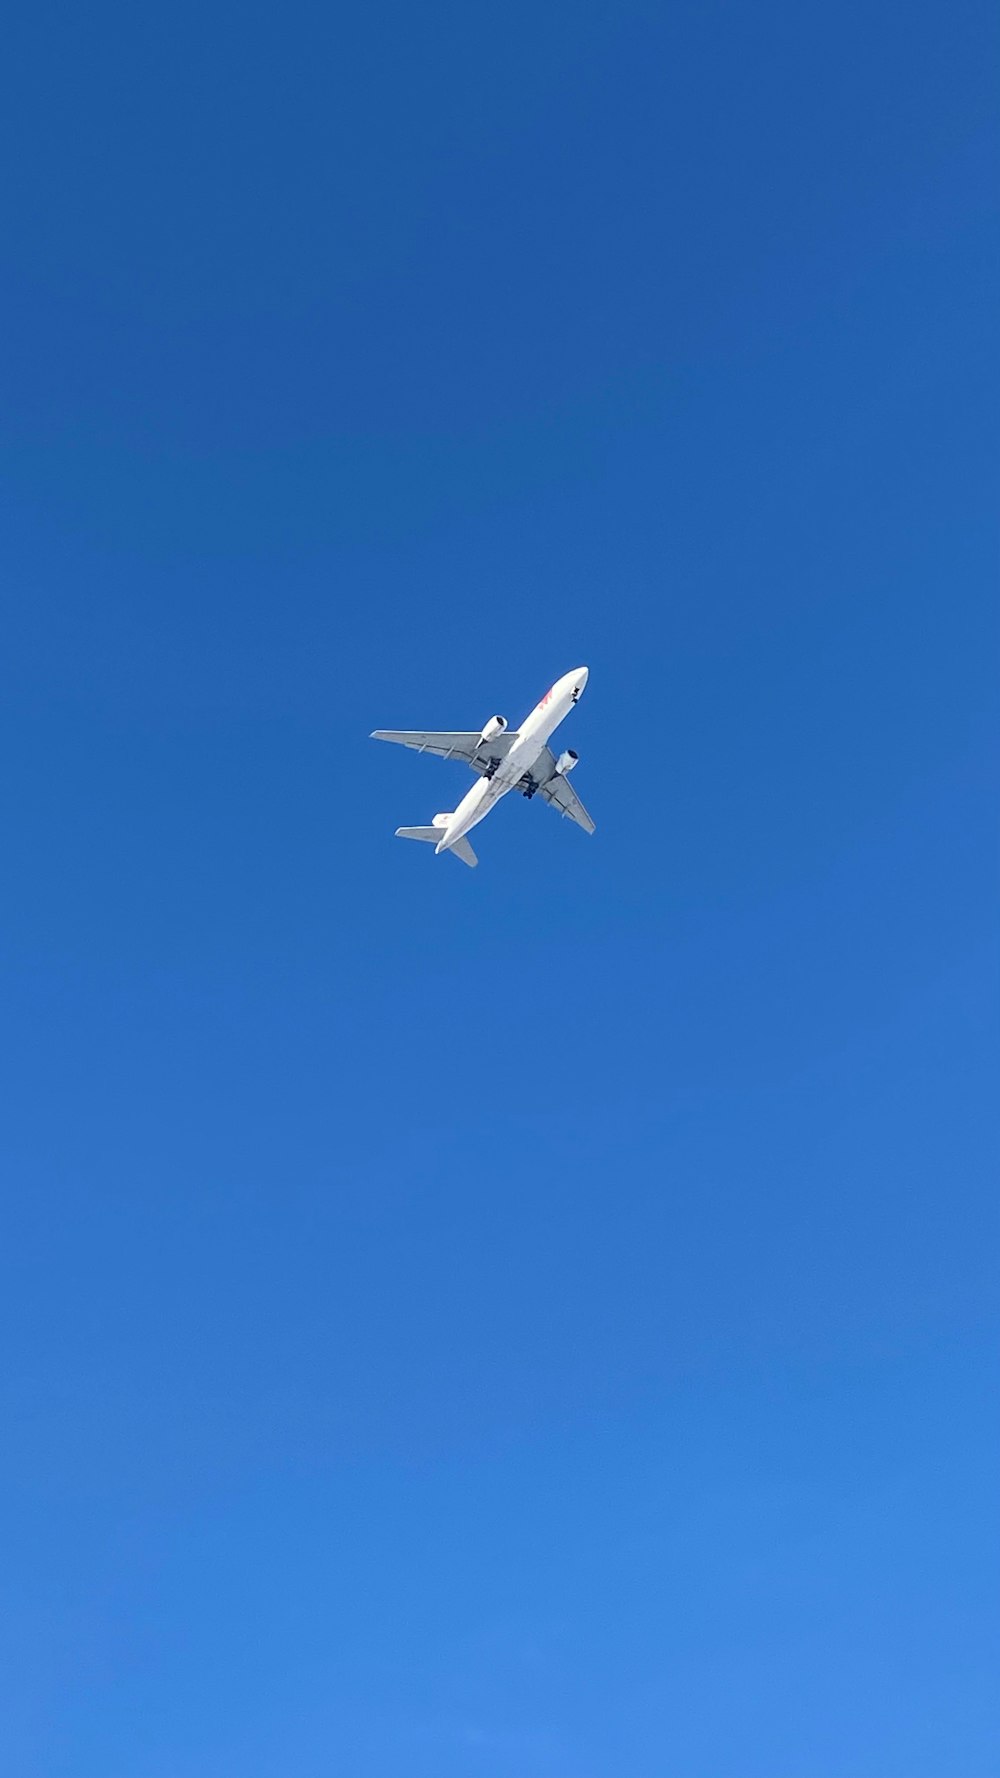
x: 539, y: 1322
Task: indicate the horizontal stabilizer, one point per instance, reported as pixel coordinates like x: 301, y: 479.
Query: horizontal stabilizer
x: 463, y: 850
x: 432, y: 835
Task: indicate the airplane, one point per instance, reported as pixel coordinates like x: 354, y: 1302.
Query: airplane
x: 505, y: 759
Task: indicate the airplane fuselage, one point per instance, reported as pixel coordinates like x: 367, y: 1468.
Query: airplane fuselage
x: 532, y: 737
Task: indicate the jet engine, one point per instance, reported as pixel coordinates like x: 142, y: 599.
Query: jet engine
x: 566, y: 762
x: 494, y: 727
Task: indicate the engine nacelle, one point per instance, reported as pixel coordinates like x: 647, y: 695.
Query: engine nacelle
x: 494, y: 727
x: 566, y: 762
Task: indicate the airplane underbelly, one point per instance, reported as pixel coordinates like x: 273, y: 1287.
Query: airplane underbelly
x: 480, y: 801
x: 519, y: 761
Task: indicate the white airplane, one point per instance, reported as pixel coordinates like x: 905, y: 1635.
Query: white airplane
x: 505, y: 759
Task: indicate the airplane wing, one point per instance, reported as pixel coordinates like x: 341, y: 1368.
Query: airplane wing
x: 467, y: 745
x: 559, y: 794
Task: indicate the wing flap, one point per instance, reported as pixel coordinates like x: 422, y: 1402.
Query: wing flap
x: 459, y: 744
x: 464, y: 744
x: 558, y: 792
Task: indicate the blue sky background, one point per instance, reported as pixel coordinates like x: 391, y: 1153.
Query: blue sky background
x: 538, y: 1323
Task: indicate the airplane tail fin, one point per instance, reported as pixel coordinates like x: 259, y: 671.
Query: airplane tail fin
x: 432, y: 835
